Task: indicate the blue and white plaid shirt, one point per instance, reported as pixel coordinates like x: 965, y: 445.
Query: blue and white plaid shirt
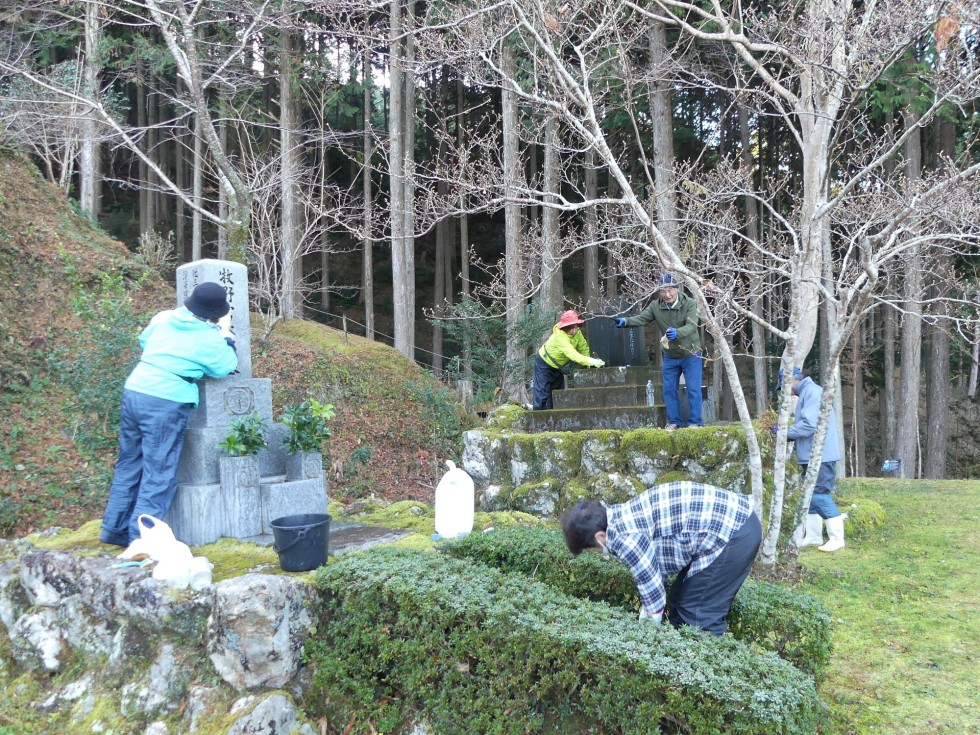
x: 670, y: 526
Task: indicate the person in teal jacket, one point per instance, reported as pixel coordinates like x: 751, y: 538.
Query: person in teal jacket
x: 677, y: 316
x: 180, y: 346
x: 565, y: 348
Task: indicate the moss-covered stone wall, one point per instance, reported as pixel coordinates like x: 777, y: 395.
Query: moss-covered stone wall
x: 545, y: 473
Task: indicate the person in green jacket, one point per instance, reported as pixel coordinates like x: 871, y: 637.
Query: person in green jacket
x: 565, y: 348
x: 677, y: 316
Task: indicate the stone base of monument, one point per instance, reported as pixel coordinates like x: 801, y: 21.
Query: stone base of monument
x: 292, y: 498
x: 197, y: 515
x: 201, y: 454
x: 346, y: 537
x: 201, y: 514
x: 240, y: 496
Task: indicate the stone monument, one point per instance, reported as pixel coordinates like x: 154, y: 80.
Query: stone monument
x: 213, y: 501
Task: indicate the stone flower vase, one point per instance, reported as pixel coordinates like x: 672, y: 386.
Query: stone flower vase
x: 304, y: 465
x: 239, y: 477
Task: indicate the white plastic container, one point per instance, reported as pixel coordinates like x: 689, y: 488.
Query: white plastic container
x: 454, y: 503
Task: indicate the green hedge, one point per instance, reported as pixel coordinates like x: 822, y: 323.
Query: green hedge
x: 412, y: 635
x: 796, y: 626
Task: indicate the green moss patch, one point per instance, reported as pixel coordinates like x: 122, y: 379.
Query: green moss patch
x: 233, y: 558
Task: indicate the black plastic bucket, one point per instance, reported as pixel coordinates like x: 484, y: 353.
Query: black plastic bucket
x: 301, y: 541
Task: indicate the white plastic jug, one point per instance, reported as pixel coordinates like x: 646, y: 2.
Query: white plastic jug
x: 454, y: 502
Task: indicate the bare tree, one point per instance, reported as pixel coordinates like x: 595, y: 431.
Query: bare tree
x: 201, y: 71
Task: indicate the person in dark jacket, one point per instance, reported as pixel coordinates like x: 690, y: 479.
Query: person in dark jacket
x: 706, y: 535
x: 565, y: 348
x: 180, y: 346
x: 822, y: 509
x: 677, y: 316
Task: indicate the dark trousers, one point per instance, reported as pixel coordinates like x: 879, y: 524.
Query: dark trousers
x: 546, y: 380
x: 151, y: 436
x: 703, y: 600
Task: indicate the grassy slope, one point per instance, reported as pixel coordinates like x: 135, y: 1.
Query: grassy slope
x: 905, y: 604
x: 46, y: 251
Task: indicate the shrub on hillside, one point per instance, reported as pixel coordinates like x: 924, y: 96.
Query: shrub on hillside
x: 413, y: 635
x: 864, y: 515
x: 793, y: 625
x: 93, y: 368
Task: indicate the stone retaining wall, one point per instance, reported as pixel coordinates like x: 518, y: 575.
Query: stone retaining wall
x: 120, y: 652
x: 545, y: 473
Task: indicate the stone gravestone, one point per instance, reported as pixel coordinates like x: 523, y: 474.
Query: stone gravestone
x: 617, y: 347
x: 210, y: 504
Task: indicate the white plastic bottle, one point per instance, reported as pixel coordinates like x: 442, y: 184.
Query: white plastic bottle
x: 454, y: 503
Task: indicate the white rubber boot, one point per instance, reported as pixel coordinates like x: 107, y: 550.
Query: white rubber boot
x: 813, y: 528
x: 835, y: 529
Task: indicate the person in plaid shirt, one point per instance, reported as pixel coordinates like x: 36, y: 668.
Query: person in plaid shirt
x: 707, y: 535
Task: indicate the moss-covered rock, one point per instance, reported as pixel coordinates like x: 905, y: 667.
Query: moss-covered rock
x: 615, y: 487
x: 864, y: 515
x: 558, y: 454
x: 600, y: 452
x: 523, y: 459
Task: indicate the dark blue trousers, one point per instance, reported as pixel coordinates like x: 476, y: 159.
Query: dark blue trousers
x: 822, y: 502
x: 151, y: 436
x: 692, y: 368
x: 704, y: 600
x: 546, y: 380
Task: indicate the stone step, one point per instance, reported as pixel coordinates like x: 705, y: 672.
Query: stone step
x: 629, y: 375
x: 584, y: 419
x: 624, y: 396
x: 602, y: 396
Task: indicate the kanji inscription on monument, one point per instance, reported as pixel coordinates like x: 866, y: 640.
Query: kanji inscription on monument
x: 234, y: 278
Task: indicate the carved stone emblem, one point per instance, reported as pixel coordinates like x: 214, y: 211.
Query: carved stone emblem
x: 239, y: 400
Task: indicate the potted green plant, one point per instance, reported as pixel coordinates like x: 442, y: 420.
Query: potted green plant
x: 308, y: 426
x: 238, y: 472
x: 246, y: 436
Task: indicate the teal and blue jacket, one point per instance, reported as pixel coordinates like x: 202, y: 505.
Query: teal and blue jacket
x: 179, y: 348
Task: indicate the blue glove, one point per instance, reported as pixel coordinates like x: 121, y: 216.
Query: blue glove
x: 774, y: 430
x: 619, y: 321
x: 671, y: 333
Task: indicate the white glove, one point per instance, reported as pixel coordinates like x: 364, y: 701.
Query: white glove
x: 596, y: 362
x: 224, y: 324
x: 655, y: 617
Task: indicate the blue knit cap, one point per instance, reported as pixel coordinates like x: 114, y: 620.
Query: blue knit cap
x: 797, y: 375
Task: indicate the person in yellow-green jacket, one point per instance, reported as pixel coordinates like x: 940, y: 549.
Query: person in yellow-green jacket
x: 565, y: 348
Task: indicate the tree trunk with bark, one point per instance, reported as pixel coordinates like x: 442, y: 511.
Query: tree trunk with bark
x: 291, y: 163
x: 937, y: 398
x: 908, y: 409
x: 514, y: 267
x: 551, y: 297
x: 367, y: 248
x: 89, y: 168
x: 593, y: 293
x: 402, y: 259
